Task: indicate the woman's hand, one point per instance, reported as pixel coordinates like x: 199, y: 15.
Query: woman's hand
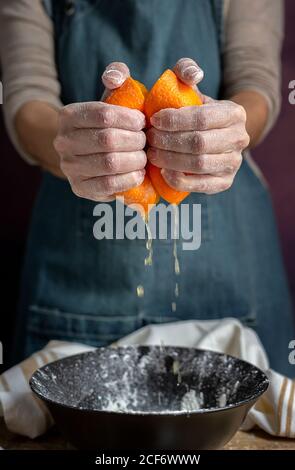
x: 199, y: 148
x: 101, y: 145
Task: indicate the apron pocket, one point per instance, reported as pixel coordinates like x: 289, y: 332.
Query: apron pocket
x: 45, y: 324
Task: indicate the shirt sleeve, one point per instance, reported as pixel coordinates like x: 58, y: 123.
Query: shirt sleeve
x: 253, y: 35
x: 28, y: 62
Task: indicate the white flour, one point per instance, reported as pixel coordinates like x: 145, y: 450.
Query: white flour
x: 191, y: 401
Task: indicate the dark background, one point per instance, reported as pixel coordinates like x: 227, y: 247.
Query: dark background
x: 19, y: 183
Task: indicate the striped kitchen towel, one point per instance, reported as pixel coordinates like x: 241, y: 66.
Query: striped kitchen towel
x: 23, y: 412
x: 274, y: 412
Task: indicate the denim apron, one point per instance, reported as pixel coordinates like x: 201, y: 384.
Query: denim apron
x: 77, y: 288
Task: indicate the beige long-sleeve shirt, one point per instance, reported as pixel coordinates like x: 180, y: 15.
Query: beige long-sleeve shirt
x: 253, y: 33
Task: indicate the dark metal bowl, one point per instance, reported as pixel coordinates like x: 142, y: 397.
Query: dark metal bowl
x: 149, y: 397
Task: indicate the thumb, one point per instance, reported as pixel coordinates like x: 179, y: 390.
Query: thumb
x: 115, y: 75
x: 188, y: 71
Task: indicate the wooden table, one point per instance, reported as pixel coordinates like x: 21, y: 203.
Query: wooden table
x: 256, y: 440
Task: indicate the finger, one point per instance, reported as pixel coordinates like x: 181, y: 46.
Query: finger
x: 102, y: 186
x: 106, y: 199
x: 188, y: 71
x: 206, y: 184
x: 208, y: 116
x: 226, y: 163
x: 115, y: 75
x: 100, y: 115
x: 89, y: 141
x: 102, y: 164
x: 200, y: 142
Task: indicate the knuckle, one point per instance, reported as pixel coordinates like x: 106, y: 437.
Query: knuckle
x: 205, y: 187
x: 109, y: 184
x: 170, y: 120
x: 200, y: 119
x: 111, y: 163
x: 201, y: 163
x: 243, y: 139
x: 107, y: 116
x: 240, y: 112
x: 198, y: 144
x: 232, y: 164
x: 67, y: 111
x: 107, y: 138
x: 60, y: 144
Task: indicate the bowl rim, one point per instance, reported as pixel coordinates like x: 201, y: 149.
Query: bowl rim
x: 247, y: 401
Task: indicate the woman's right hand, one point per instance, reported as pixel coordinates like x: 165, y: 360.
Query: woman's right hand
x: 101, y: 145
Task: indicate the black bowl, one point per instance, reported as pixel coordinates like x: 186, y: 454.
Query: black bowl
x: 149, y: 397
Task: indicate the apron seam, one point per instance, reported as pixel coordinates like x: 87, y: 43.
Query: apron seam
x: 90, y: 317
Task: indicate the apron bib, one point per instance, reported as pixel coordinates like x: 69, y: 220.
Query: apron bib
x: 80, y: 289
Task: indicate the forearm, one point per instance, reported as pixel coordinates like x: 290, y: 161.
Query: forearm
x: 253, y: 35
x: 257, y: 113
x: 36, y: 126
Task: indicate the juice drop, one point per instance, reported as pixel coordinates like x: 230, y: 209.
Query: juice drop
x: 175, y: 235
x: 140, y: 291
x: 149, y: 245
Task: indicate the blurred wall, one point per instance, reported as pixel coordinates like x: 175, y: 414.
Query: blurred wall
x: 276, y: 155
x: 19, y: 183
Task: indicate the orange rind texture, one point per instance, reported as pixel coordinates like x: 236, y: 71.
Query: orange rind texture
x: 132, y: 95
x: 167, y: 92
x: 144, y: 196
x: 165, y: 191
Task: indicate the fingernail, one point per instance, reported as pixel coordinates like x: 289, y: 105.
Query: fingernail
x: 193, y: 72
x: 113, y: 76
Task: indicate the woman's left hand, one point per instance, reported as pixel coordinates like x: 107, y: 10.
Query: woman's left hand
x: 199, y: 148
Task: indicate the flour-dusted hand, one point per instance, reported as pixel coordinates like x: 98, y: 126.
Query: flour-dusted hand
x: 199, y: 148
x: 101, y: 145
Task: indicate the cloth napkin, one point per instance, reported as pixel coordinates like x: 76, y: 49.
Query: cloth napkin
x: 274, y: 412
